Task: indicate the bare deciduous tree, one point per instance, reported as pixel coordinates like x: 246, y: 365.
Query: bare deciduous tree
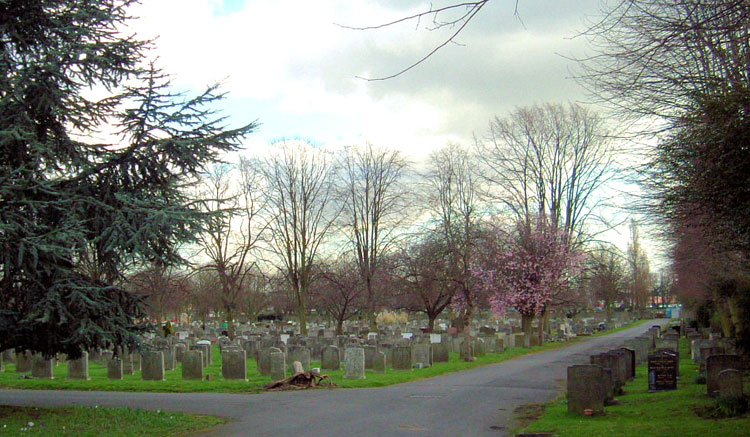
x: 454, y: 199
x: 232, y: 195
x: 548, y: 161
x: 298, y: 186
x: 373, y: 200
x: 337, y: 291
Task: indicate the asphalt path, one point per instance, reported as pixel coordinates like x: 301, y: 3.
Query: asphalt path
x: 474, y: 402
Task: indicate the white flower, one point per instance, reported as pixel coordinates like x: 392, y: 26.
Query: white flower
x: 31, y: 424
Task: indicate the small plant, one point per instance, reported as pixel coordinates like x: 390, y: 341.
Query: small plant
x: 731, y: 406
x: 700, y: 378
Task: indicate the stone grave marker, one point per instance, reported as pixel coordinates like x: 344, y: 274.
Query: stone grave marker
x: 192, y: 365
x: 422, y: 353
x: 23, y: 362
x: 378, y: 362
x: 354, y: 358
x: 714, y: 365
x: 630, y: 361
x: 467, y: 349
x: 234, y: 364
x: 152, y: 363
x: 479, y: 348
x: 278, y: 364
x: 402, y: 357
x: 301, y: 354
x: 369, y: 356
x: 79, y: 369
x: 730, y: 383
x: 586, y: 389
x: 440, y: 353
x: 330, y: 359
x: 114, y: 368
x: 297, y: 367
x: 662, y: 371
x: 42, y: 368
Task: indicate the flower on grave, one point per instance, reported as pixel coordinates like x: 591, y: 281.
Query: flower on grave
x: 31, y: 424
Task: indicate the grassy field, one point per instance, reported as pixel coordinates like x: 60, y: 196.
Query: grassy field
x: 174, y: 382
x: 671, y: 413
x: 80, y: 421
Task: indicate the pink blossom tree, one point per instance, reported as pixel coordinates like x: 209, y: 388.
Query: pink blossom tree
x: 525, y: 269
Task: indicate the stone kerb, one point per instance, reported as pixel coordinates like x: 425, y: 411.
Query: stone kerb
x: 354, y: 358
x: 714, y: 365
x: 152, y: 363
x: 79, y: 369
x: 192, y: 365
x: 586, y: 389
x: 730, y: 383
x: 330, y: 359
x: 42, y: 368
x: 234, y: 364
x: 402, y: 357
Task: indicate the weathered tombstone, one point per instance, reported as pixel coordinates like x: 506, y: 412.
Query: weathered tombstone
x: 706, y: 352
x: 179, y: 351
x: 369, y: 356
x: 440, y: 353
x: 422, y: 353
x: 330, y: 359
x: 467, y: 350
x: 402, y: 357
x: 42, y: 368
x: 301, y: 354
x: 152, y: 363
x: 586, y: 389
x: 23, y: 362
x: 354, y: 358
x: 278, y: 365
x: 630, y: 361
x: 9, y: 356
x: 297, y: 367
x: 662, y: 371
x: 79, y: 369
x: 479, y: 348
x: 114, y: 369
x: 378, y: 362
x: 234, y: 364
x: 264, y: 361
x: 714, y: 365
x: 730, y: 383
x: 169, y: 359
x: 192, y: 365
x: 207, y: 350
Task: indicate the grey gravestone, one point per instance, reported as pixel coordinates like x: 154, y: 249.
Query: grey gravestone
x: 301, y: 354
x: 23, y: 362
x: 662, y: 371
x: 378, y: 362
x: 330, y: 359
x: 467, y: 349
x: 179, y: 351
x: 169, y: 359
x: 354, y: 362
x: 42, y: 368
x: 440, y: 353
x: 9, y: 356
x: 422, y: 353
x: 152, y: 363
x: 207, y: 349
x: 192, y: 365
x: 730, y: 383
x: 630, y: 361
x: 278, y: 364
x: 480, y: 348
x: 369, y: 355
x: 79, y: 369
x: 402, y: 357
x: 297, y: 367
x: 264, y: 362
x: 714, y: 365
x: 234, y: 364
x: 114, y: 369
x: 586, y: 389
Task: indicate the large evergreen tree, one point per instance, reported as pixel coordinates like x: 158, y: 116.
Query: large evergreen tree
x: 75, y: 213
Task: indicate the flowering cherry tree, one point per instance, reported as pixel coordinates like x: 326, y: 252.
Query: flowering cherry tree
x: 525, y: 269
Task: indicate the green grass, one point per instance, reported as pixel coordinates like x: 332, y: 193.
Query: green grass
x: 671, y: 413
x: 174, y: 382
x: 82, y: 421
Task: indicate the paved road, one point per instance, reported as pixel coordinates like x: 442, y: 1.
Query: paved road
x: 474, y: 402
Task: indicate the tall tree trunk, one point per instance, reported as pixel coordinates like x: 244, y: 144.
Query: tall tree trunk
x: 431, y: 322
x: 340, y: 327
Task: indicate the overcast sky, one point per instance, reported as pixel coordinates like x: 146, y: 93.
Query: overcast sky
x: 289, y: 65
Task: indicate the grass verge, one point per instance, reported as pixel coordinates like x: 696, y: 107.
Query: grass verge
x: 640, y: 413
x: 98, y: 381
x: 82, y: 421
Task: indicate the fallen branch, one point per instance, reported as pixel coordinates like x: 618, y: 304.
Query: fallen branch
x: 301, y: 381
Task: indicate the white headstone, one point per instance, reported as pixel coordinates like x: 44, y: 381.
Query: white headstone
x: 435, y: 338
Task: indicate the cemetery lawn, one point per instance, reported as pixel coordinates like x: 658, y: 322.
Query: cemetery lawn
x: 670, y: 413
x: 83, y: 421
x: 98, y: 381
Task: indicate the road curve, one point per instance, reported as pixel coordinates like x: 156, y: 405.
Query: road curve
x: 474, y: 402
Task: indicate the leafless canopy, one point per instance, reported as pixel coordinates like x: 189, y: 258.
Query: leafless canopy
x: 548, y: 161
